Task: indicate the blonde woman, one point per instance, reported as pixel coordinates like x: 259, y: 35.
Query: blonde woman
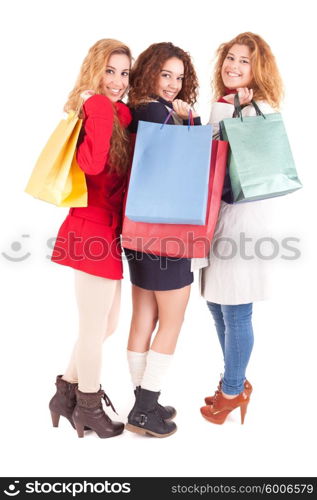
x: 88, y: 240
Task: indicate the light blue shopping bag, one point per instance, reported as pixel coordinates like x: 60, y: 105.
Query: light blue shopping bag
x: 170, y: 174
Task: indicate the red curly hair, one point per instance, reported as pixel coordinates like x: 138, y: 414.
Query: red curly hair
x: 267, y: 84
x: 146, y: 70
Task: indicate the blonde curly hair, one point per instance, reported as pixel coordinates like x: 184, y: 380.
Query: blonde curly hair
x: 90, y: 77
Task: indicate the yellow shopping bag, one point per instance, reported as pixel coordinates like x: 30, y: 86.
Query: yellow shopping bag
x: 57, y: 177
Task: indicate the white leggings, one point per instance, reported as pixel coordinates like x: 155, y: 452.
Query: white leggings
x: 98, y: 301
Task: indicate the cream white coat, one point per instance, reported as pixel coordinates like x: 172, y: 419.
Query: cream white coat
x: 236, y: 273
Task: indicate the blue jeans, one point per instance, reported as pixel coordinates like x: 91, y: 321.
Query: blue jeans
x: 235, y: 333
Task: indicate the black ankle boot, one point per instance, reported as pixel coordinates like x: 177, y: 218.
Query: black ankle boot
x: 167, y: 412
x: 145, y: 416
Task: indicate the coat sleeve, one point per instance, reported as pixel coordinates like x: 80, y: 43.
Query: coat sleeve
x: 197, y: 121
x: 92, y: 152
x: 124, y: 114
x: 198, y: 263
x: 264, y: 107
x: 155, y: 112
x: 220, y: 111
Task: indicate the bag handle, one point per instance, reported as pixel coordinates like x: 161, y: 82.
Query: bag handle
x: 238, y: 110
x: 190, y: 119
x: 78, y: 107
x: 167, y: 118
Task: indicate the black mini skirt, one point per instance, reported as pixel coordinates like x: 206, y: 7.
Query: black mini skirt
x: 157, y: 273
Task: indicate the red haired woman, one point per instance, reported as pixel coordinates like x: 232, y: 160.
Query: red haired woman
x: 163, y: 78
x: 230, y: 285
x: 88, y: 239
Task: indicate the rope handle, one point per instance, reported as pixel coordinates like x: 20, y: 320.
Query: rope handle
x: 238, y: 110
x: 190, y: 119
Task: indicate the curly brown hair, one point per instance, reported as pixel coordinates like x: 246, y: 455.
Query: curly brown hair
x: 89, y: 78
x: 146, y: 70
x: 267, y: 83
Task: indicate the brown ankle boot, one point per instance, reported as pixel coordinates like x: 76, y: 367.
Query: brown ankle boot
x: 63, y: 402
x: 89, y: 412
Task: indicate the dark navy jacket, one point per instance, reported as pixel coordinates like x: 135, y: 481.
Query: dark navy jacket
x: 155, y: 112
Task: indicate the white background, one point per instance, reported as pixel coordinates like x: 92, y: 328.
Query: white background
x: 42, y: 46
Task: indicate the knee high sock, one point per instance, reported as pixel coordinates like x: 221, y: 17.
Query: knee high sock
x: 157, y: 365
x: 137, y: 364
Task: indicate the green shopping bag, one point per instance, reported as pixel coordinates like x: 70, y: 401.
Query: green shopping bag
x: 261, y: 164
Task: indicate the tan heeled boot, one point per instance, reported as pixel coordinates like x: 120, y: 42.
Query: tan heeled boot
x: 221, y: 407
x: 247, y: 387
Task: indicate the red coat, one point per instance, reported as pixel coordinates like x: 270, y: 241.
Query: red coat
x: 88, y: 239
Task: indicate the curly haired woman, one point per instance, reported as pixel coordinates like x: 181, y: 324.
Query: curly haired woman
x: 163, y: 79
x: 88, y: 239
x: 230, y: 285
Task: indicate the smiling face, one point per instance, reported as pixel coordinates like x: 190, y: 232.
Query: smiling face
x: 236, y: 69
x: 170, y: 79
x: 115, y: 80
